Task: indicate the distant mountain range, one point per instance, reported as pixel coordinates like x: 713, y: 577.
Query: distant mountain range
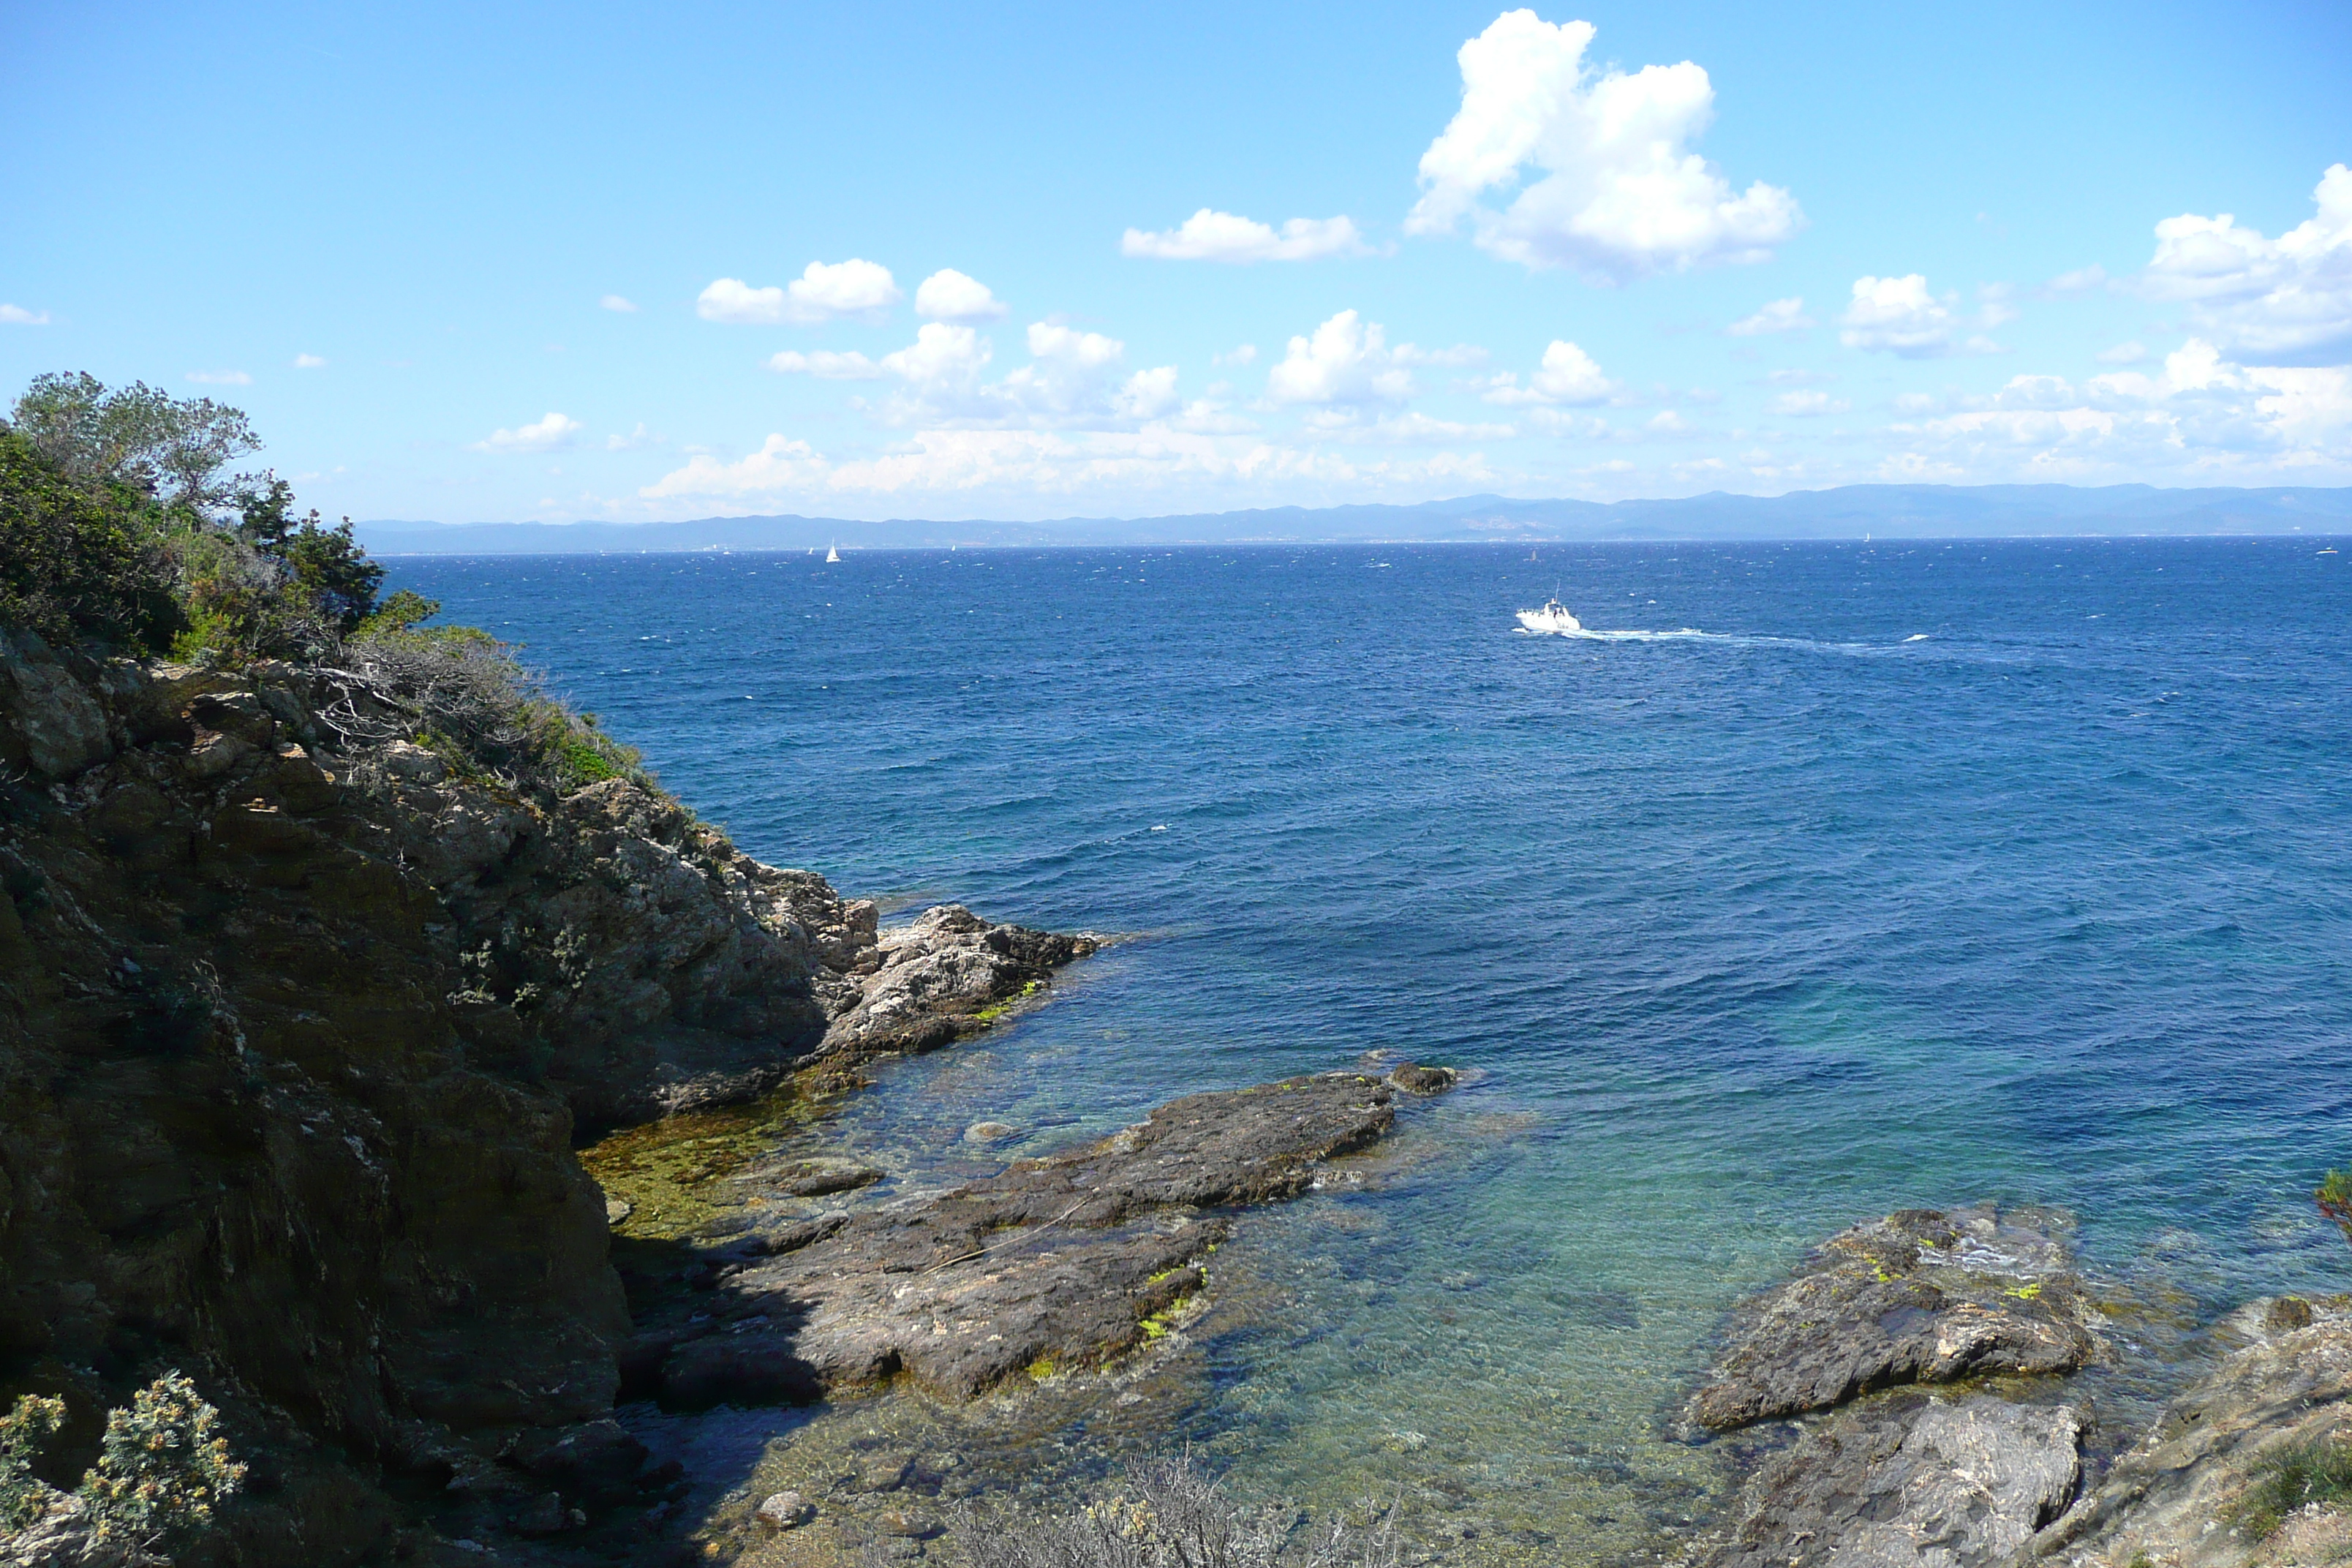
x: 1885, y: 511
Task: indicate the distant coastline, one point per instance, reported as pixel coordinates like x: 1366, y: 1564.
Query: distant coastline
x: 1849, y: 512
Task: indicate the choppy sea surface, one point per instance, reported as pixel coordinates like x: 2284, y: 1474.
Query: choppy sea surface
x: 1865, y: 876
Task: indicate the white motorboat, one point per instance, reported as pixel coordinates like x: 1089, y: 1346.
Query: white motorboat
x: 1553, y: 617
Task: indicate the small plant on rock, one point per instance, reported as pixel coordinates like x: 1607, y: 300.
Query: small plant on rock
x: 23, y: 1433
x: 2335, y: 1200
x: 2292, y: 1479
x: 163, y: 1468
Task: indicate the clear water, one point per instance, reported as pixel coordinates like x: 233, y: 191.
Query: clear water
x: 1929, y: 873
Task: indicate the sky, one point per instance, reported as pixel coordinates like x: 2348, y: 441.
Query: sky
x: 501, y: 262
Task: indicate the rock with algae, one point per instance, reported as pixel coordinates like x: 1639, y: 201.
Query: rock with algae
x: 1922, y: 1296
x: 1055, y: 1264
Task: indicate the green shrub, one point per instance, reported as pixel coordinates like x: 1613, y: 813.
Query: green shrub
x: 163, y: 1467
x: 76, y: 563
x: 2285, y: 1481
x: 23, y: 1433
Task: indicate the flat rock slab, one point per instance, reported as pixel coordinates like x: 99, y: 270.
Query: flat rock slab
x: 1922, y: 1296
x: 2171, y: 1499
x: 1909, y: 1481
x: 1054, y: 1264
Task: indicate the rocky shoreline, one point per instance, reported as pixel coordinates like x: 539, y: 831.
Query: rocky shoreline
x: 1931, y: 1355
x: 307, y: 1034
x: 307, y: 1018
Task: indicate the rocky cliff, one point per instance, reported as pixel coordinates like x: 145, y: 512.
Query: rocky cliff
x: 302, y: 1012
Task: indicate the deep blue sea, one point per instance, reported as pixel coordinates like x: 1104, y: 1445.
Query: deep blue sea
x: 1880, y: 875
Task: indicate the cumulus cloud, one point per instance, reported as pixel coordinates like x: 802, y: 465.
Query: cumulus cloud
x: 615, y: 302
x: 823, y: 292
x: 826, y: 366
x: 1901, y: 317
x: 779, y: 464
x: 2203, y: 415
x: 542, y: 435
x: 309, y: 362
x: 1778, y: 316
x: 1616, y: 193
x: 947, y: 295
x: 1569, y: 375
x: 1346, y: 361
x: 1802, y: 403
x: 17, y: 316
x: 220, y: 377
x: 1211, y: 236
x: 2283, y: 301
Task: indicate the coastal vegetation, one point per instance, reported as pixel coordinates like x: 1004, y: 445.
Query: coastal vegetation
x: 162, y: 1470
x: 123, y: 524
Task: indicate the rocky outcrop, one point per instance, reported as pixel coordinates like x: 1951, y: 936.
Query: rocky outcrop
x: 1057, y: 1263
x: 1909, y: 1481
x: 1921, y: 1296
x: 301, y: 1020
x: 2179, y: 1497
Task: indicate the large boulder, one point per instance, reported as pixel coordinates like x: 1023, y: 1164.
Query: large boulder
x: 1922, y: 1296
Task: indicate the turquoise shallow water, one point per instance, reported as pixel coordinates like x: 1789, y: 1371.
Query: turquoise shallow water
x: 1928, y: 873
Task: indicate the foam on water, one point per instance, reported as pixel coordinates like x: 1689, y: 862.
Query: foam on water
x: 1749, y: 943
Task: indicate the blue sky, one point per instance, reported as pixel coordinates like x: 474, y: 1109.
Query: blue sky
x: 500, y: 262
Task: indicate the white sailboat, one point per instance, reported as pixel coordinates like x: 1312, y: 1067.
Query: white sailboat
x: 831, y: 556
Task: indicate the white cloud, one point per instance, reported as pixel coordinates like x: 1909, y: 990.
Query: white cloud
x: 1995, y: 306
x: 615, y: 302
x: 1620, y: 194
x: 542, y: 435
x: 1778, y: 316
x: 947, y: 295
x: 1246, y: 355
x: 1455, y: 358
x: 1147, y: 394
x: 778, y: 465
x: 1411, y: 428
x: 2203, y: 417
x: 1802, y: 403
x: 1569, y: 375
x: 309, y: 362
x: 220, y: 377
x: 1211, y: 236
x: 2283, y: 301
x: 17, y: 316
x: 1347, y: 361
x: 1158, y: 460
x: 2124, y: 353
x: 1073, y: 378
x: 1899, y: 316
x: 826, y: 366
x: 633, y: 440
x: 1799, y: 377
x: 821, y: 293
x: 2081, y: 280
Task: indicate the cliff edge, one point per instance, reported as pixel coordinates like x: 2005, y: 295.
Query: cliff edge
x: 302, y: 1011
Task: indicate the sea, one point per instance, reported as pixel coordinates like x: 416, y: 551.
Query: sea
x: 1824, y: 880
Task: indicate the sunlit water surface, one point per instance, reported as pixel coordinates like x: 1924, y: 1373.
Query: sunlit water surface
x: 1902, y: 875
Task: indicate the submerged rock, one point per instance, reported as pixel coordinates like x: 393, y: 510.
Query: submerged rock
x: 1909, y: 1481
x: 1921, y: 1296
x: 1055, y: 1264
